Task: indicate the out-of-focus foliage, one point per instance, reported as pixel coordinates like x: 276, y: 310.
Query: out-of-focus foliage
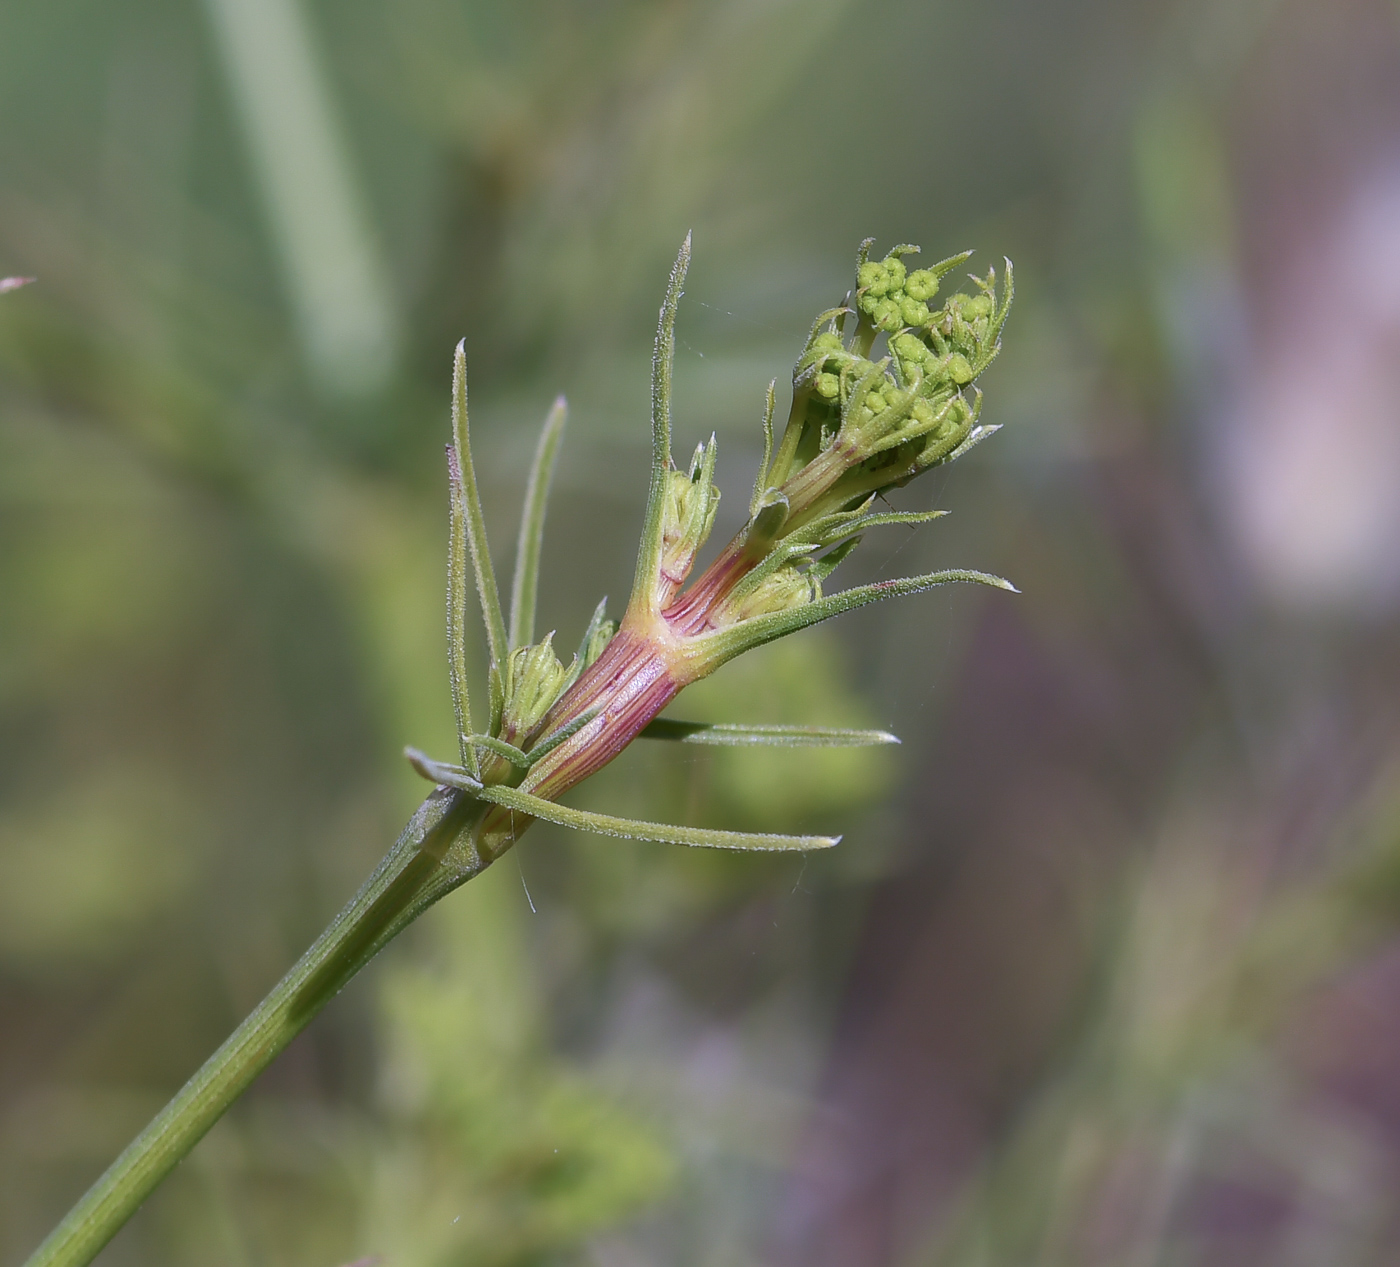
x: 1101, y: 971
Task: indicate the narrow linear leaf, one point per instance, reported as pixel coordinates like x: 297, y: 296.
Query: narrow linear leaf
x: 486, y: 590
x: 502, y: 749
x: 974, y: 438
x: 729, y: 734
x: 457, y: 608
x: 860, y: 523
x: 524, y: 589
x: 634, y: 829
x: 761, y: 479
x: 662, y: 364
x: 725, y: 644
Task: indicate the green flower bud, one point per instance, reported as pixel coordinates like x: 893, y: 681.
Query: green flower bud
x: 875, y: 402
x: 895, y: 271
x: 688, y: 514
x: 828, y: 341
x: 874, y: 278
x: 909, y: 347
x: 977, y: 306
x: 923, y: 413
x: 958, y: 369
x: 828, y: 385
x: 914, y: 311
x: 783, y: 589
x: 921, y: 284
x: 887, y: 315
x: 533, y: 679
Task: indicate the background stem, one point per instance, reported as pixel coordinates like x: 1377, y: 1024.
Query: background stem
x: 413, y: 875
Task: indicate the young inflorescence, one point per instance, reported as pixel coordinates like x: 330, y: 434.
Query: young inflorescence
x: 861, y: 422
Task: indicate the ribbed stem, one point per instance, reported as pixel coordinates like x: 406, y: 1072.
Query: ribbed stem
x: 414, y: 874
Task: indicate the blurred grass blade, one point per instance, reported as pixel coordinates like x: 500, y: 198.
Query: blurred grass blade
x: 336, y: 278
x: 525, y: 584
x: 727, y: 734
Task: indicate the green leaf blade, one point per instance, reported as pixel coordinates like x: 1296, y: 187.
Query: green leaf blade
x: 662, y: 366
x: 489, y: 595
x: 658, y: 833
x: 728, y: 734
x: 723, y: 645
x: 457, y: 609
x: 525, y: 583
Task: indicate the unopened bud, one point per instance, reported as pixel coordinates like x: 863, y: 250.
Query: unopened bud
x: 921, y: 284
x: 873, y: 278
x: 534, y: 678
x: 781, y: 590
x: 688, y: 515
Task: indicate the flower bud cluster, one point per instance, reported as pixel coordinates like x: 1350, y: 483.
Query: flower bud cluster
x: 862, y: 421
x: 892, y: 297
x: 860, y: 424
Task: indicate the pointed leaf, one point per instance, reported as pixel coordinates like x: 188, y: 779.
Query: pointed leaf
x: 662, y: 363
x: 729, y: 734
x: 761, y: 480
x: 524, y: 587
x: 502, y: 749
x: 457, y: 608
x: 441, y: 772
x: 486, y: 590
x: 860, y: 523
x: 716, y: 648
x: 634, y: 829
x: 974, y: 438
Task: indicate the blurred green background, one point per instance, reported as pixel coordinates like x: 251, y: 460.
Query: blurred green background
x: 1106, y: 970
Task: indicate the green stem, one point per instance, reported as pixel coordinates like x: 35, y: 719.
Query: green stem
x: 432, y: 857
